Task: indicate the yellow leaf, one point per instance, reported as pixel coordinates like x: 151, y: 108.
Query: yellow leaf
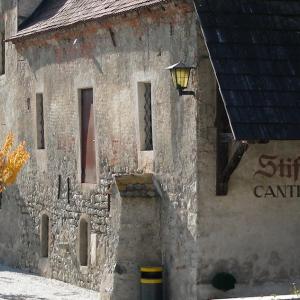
x: 11, y: 161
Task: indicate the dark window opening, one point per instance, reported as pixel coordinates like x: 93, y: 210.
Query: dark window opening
x: 88, y: 153
x: 145, y: 116
x: 2, y: 56
x: 40, y: 121
x: 83, y: 242
x: 68, y: 189
x: 0, y: 200
x: 45, y: 236
x: 108, y: 203
x: 59, y: 186
x: 28, y: 104
x: 148, y: 117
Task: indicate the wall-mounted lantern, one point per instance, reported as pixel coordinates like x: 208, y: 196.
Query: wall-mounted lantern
x: 180, y: 74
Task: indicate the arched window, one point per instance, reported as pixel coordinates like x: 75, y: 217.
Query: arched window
x: 44, y: 235
x: 83, y: 242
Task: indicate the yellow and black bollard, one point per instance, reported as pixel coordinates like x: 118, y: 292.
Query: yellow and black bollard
x: 151, y: 283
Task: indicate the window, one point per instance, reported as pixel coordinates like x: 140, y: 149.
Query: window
x: 2, y: 54
x: 44, y: 235
x: 145, y: 116
x: 88, y: 153
x: 83, y: 242
x: 40, y: 121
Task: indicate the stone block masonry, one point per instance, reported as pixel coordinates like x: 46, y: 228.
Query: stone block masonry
x: 98, y: 232
x: 58, y: 65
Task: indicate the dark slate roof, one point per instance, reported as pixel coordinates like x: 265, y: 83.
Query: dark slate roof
x: 254, y: 47
x: 54, y: 14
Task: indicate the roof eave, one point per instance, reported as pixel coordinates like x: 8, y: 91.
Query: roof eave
x: 19, y: 37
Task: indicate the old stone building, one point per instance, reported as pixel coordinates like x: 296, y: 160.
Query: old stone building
x: 125, y: 172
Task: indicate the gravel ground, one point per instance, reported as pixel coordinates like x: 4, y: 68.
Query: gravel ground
x: 18, y: 285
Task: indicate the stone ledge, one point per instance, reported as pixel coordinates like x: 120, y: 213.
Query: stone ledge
x: 136, y: 186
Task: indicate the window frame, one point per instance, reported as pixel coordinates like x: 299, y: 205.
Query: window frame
x: 40, y: 121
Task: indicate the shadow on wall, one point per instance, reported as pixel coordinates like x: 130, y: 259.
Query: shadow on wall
x: 135, y: 215
x: 179, y: 247
x: 17, y: 235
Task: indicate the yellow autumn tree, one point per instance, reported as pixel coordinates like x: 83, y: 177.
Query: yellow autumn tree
x: 11, y: 161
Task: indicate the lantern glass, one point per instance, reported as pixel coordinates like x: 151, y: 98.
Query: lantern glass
x: 182, y: 77
x: 180, y: 74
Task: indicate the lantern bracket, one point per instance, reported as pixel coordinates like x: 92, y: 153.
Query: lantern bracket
x: 222, y: 183
x: 183, y: 93
x: 226, y: 165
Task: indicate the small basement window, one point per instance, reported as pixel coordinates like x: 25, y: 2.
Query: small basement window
x: 44, y: 235
x: 145, y: 116
x: 83, y: 242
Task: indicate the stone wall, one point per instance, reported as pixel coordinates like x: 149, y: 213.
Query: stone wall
x: 136, y: 209
x: 254, y: 238
x: 111, y: 57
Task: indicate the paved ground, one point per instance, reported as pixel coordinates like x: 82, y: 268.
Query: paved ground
x: 17, y: 285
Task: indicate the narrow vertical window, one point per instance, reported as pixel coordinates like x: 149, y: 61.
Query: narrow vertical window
x: 44, y: 235
x: 88, y: 154
x: 0, y: 200
x: 40, y: 121
x: 83, y: 242
x: 2, y: 55
x: 145, y: 116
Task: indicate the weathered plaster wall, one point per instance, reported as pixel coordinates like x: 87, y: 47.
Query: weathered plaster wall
x: 136, y: 232
x: 58, y: 64
x: 16, y: 240
x: 254, y: 238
